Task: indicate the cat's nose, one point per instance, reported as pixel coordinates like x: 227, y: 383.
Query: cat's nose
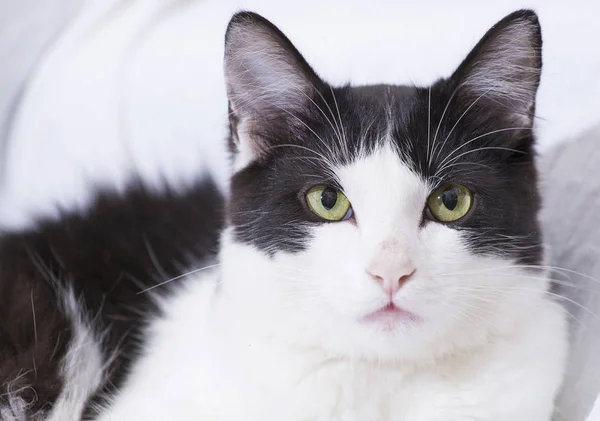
x: 391, y: 275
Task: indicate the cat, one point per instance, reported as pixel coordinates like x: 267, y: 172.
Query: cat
x: 378, y: 258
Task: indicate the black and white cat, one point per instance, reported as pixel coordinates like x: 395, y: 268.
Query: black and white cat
x: 379, y: 259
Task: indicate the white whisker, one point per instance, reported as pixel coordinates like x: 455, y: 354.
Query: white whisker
x: 178, y: 277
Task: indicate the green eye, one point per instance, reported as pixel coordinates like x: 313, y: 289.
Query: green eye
x: 449, y: 203
x: 328, y: 203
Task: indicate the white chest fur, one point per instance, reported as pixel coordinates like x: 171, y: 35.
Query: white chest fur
x: 193, y: 371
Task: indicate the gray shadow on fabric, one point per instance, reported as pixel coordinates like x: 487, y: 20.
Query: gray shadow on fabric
x: 27, y: 29
x: 570, y: 182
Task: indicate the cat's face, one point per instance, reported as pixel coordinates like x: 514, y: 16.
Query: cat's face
x: 383, y: 221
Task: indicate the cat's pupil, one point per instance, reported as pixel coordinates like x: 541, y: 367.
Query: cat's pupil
x: 450, y: 198
x: 329, y: 198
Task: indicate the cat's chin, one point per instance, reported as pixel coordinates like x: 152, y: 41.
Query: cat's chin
x: 391, y: 318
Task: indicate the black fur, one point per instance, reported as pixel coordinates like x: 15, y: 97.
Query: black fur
x: 124, y: 244
x: 268, y: 206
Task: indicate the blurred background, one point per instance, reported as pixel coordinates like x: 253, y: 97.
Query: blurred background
x: 94, y: 91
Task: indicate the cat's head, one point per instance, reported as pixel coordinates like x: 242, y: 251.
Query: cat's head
x: 383, y: 221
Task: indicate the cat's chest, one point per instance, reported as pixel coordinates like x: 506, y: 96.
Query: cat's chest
x: 328, y: 390
x: 259, y: 385
x: 218, y: 388
x: 294, y: 390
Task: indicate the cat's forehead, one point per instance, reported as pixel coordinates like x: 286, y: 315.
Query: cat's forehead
x: 382, y: 163
x: 347, y: 124
x: 381, y: 187
x: 374, y: 109
x: 385, y: 95
x: 434, y: 133
x: 355, y: 118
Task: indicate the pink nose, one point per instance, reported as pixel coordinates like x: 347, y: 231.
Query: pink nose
x: 391, y: 277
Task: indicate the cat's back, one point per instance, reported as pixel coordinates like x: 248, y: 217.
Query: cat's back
x: 77, y: 292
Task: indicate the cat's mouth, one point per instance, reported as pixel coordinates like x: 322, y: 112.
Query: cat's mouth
x: 391, y: 316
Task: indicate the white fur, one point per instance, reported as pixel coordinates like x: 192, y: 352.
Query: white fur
x: 82, y: 367
x: 282, y: 338
x: 17, y: 410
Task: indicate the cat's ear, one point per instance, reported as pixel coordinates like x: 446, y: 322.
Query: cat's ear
x: 503, y: 70
x: 268, y: 81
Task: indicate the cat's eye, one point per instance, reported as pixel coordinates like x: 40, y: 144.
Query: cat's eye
x: 328, y: 203
x: 449, y: 203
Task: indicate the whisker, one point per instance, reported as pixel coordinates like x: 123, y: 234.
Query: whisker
x: 540, y: 267
x: 459, y: 119
x: 505, y: 294
x: 427, y: 155
x: 462, y: 145
x: 486, y: 148
x: 178, y: 277
x: 341, y: 123
x: 441, y: 120
x: 552, y: 294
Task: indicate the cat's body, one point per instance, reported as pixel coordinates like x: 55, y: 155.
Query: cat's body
x: 64, y: 344
x: 193, y: 368
x: 221, y: 369
x: 381, y: 260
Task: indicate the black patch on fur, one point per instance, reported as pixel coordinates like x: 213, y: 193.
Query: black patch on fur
x: 124, y: 244
x: 267, y: 206
x: 34, y: 333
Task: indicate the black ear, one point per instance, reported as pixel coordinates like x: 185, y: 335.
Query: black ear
x: 268, y: 81
x: 503, y: 70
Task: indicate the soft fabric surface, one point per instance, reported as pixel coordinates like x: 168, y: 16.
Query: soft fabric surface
x: 27, y: 29
x: 571, y: 222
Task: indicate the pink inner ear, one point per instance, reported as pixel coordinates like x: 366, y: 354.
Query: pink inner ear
x: 264, y: 73
x: 267, y: 80
x: 505, y: 68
